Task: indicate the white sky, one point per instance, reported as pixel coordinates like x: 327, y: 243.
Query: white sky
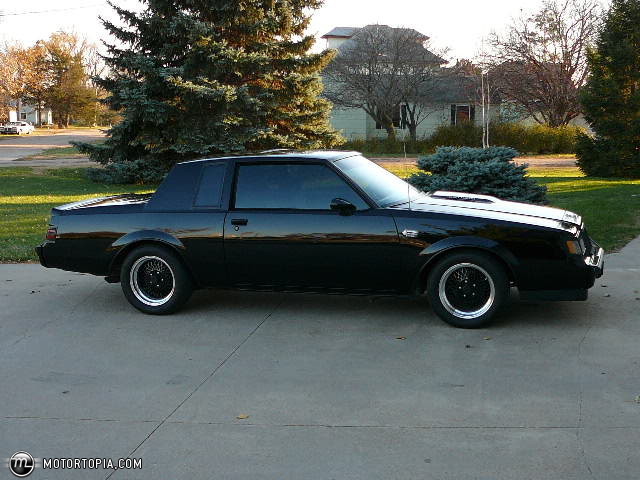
x: 459, y: 25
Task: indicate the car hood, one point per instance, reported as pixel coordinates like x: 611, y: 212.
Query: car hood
x: 485, y: 206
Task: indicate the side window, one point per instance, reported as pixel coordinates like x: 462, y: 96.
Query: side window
x: 211, y: 182
x: 292, y: 186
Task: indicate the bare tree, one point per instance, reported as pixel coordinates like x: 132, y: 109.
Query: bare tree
x: 96, y: 69
x: 540, y: 63
x: 381, y: 68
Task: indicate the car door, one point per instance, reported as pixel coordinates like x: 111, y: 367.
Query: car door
x: 281, y: 232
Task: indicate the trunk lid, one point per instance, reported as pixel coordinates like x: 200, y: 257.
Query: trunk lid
x: 130, y: 201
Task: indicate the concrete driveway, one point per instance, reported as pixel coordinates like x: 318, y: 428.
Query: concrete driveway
x: 333, y: 387
x: 13, y: 148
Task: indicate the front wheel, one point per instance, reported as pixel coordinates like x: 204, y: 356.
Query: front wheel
x: 155, y: 281
x: 466, y: 289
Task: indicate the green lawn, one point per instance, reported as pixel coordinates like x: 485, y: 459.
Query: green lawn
x: 26, y: 199
x: 610, y: 207
x: 59, y: 152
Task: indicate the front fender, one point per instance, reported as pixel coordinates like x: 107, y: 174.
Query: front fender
x: 435, y: 250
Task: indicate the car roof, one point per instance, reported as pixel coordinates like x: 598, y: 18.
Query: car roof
x: 330, y: 155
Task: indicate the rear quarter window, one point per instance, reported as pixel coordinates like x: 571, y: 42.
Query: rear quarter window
x: 209, y: 192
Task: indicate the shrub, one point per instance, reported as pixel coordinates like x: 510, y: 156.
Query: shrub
x: 530, y: 139
x: 385, y: 146
x: 489, y: 171
x: 462, y: 135
x: 603, y: 157
x: 138, y: 171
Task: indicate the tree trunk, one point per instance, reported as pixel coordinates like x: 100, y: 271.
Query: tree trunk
x: 413, y: 131
x: 391, y: 131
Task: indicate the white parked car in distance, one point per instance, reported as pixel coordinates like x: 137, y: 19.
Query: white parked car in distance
x: 18, y: 128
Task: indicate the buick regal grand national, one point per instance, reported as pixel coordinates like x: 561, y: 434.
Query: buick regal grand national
x: 322, y: 221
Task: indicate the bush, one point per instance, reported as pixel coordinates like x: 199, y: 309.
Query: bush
x: 385, y: 146
x: 489, y: 171
x: 600, y: 157
x: 529, y: 139
x: 462, y: 135
x: 138, y: 171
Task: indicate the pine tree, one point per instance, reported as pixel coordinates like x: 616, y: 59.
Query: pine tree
x: 611, y: 98
x: 204, y: 77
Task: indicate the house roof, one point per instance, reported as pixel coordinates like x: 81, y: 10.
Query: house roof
x: 341, y: 32
x: 351, y: 40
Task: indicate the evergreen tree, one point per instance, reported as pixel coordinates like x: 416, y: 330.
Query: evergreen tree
x: 611, y: 98
x: 205, y: 77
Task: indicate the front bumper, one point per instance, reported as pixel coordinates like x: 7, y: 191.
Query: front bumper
x: 596, y: 261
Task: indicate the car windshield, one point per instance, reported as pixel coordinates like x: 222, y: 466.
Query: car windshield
x: 381, y: 185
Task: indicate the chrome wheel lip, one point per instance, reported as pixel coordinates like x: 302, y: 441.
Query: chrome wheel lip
x: 446, y: 303
x: 137, y: 290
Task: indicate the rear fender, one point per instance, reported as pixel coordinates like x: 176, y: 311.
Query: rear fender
x: 121, y: 247
x: 147, y: 235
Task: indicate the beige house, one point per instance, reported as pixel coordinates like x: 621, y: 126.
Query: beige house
x: 29, y: 113
x: 455, y: 103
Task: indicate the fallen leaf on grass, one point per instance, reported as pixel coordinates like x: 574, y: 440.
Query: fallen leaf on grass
x: 242, y: 416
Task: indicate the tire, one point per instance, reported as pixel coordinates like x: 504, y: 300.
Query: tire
x: 479, y: 278
x: 155, y: 281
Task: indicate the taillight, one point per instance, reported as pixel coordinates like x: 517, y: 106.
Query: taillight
x: 52, y: 233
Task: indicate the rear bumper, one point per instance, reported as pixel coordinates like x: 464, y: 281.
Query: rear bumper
x: 40, y: 252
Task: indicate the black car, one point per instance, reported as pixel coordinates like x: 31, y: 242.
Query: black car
x: 322, y: 221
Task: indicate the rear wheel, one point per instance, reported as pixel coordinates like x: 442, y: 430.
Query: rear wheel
x: 466, y: 289
x: 155, y: 281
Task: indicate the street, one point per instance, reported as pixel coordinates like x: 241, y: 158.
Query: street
x: 325, y: 387
x: 14, y: 148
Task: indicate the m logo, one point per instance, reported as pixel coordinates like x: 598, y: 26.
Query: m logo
x: 21, y: 464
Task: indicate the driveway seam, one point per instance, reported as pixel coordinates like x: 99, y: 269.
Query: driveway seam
x: 213, y: 372
x: 579, y: 441
x: 329, y: 425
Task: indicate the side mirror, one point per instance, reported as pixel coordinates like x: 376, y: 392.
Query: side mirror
x: 343, y: 206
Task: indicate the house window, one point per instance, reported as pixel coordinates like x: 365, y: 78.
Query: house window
x: 399, y: 119
x: 462, y: 114
x: 23, y: 116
